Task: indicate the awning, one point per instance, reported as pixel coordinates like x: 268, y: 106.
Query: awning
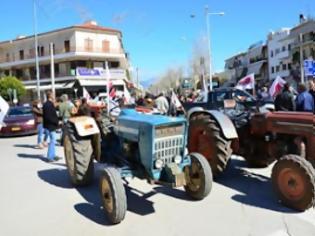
x: 67, y: 85
x: 98, y: 82
x: 255, y: 67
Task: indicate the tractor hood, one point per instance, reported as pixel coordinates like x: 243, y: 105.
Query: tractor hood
x: 130, y: 115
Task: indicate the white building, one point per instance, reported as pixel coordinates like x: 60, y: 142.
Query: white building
x: 279, y: 59
x: 78, y: 51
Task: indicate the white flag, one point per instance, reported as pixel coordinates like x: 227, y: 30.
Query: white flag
x: 175, y: 100
x: 276, y: 86
x: 4, y: 107
x: 248, y: 82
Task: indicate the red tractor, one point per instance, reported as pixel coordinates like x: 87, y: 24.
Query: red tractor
x: 288, y: 138
x: 285, y: 137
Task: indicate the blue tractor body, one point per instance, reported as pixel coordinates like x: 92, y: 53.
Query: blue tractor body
x: 156, y: 138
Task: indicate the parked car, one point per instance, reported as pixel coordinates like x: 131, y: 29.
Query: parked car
x: 19, y: 121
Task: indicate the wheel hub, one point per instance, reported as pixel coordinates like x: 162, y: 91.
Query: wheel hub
x: 107, y: 196
x: 291, y: 184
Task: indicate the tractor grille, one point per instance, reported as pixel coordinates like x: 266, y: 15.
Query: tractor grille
x: 167, y: 148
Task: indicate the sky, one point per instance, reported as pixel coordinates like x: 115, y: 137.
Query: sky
x: 160, y: 34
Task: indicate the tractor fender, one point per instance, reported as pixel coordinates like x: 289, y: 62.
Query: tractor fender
x: 84, y: 125
x: 226, y: 125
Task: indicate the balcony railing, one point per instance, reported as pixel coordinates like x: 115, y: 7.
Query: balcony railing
x: 58, y: 51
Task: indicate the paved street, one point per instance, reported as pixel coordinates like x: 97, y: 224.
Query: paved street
x: 37, y: 199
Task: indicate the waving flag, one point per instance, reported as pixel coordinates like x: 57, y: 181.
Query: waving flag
x: 276, y: 86
x: 248, y: 82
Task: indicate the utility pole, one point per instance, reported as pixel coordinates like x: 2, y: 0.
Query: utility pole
x: 36, y: 49
x: 137, y: 69
x: 52, y: 68
x: 209, y: 47
x: 301, y: 59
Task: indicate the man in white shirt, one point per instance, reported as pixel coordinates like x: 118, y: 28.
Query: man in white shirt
x: 162, y: 104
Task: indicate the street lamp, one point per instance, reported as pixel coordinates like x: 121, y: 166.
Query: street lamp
x: 209, y: 40
x: 36, y: 49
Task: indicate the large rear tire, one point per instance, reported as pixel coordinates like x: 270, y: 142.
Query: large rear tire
x: 113, y: 195
x: 293, y: 180
x: 198, y: 177
x: 205, y: 137
x: 79, y: 156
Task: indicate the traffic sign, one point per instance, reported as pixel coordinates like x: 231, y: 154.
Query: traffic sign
x: 309, y: 67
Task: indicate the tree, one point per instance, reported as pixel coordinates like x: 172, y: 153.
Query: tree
x: 10, y: 83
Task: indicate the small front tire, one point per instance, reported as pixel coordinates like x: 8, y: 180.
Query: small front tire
x: 113, y: 195
x: 198, y: 177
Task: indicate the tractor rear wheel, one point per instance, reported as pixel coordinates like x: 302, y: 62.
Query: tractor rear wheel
x: 113, y: 195
x: 198, y: 177
x: 205, y: 137
x: 79, y: 156
x: 293, y: 180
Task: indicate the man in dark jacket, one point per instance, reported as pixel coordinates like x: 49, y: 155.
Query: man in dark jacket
x: 50, y: 122
x: 312, y: 90
x: 285, y: 100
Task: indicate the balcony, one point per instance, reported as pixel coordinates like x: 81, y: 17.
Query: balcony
x: 29, y: 58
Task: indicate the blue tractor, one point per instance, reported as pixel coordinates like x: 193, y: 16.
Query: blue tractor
x: 134, y: 144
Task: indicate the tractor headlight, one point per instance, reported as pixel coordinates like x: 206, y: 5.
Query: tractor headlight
x: 159, y: 163
x: 177, y: 159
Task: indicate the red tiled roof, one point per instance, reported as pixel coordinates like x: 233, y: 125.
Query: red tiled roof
x: 87, y: 26
x: 91, y: 26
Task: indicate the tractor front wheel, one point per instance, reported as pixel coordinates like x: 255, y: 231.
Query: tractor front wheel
x: 198, y: 177
x: 79, y: 156
x: 293, y: 180
x: 113, y: 195
x: 205, y: 137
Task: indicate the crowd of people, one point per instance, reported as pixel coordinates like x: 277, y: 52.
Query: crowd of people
x: 303, y: 101
x: 51, y: 116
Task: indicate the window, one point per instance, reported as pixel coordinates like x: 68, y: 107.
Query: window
x: 289, y: 66
x: 284, y: 66
x: 283, y: 48
x: 272, y: 69
x: 7, y: 57
x: 42, y: 51
x: 277, y: 68
x: 271, y: 53
x: 105, y: 46
x: 277, y: 51
x: 88, y: 45
x: 54, y: 49
x: 113, y: 64
x: 67, y: 46
x: 21, y: 54
x: 289, y: 47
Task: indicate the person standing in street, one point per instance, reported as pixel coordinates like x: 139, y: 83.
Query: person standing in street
x: 304, y: 100
x: 65, y: 108
x: 312, y: 90
x: 285, y: 100
x: 162, y: 104
x: 84, y: 109
x: 50, y: 122
x: 38, y: 114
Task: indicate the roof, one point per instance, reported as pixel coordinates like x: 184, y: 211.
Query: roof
x: 131, y: 116
x: 86, y: 26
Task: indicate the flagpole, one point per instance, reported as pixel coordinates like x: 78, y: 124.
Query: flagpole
x: 107, y: 88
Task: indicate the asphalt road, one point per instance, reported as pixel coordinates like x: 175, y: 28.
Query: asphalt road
x: 37, y: 198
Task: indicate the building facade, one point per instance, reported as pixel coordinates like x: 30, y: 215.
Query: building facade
x: 236, y: 67
x: 78, y: 51
x: 303, y: 37
x: 258, y: 62
x: 279, y: 51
